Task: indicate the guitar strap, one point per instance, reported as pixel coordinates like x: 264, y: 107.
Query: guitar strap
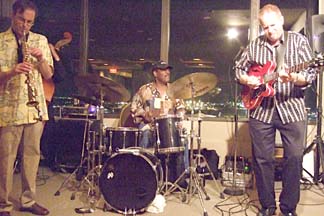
x: 280, y: 52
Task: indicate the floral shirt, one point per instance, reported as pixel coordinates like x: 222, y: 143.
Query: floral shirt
x: 13, y: 92
x: 149, y: 98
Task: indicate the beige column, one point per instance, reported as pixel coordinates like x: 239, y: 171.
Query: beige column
x: 254, y: 24
x: 165, y: 30
x: 84, y: 37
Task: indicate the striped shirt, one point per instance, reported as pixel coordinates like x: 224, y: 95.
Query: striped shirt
x: 289, y: 98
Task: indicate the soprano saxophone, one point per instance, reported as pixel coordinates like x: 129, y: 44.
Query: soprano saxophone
x: 30, y: 79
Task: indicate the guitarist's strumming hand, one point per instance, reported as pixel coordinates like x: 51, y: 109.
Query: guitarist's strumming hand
x: 252, y: 82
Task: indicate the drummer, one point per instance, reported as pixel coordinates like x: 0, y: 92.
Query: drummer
x: 153, y: 100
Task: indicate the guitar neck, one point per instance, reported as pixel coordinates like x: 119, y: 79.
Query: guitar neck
x: 272, y: 76
x: 298, y: 67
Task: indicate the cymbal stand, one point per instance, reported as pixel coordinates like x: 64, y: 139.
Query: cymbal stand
x: 318, y: 176
x: 201, y: 158
x: 194, y: 179
x: 94, y: 166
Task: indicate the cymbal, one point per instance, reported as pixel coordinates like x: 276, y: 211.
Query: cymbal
x: 100, y: 86
x: 192, y: 85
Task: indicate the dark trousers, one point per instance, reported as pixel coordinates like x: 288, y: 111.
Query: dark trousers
x: 263, y: 146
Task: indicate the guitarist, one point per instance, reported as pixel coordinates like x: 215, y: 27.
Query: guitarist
x: 283, y: 109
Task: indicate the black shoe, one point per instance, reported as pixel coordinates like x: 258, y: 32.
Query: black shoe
x: 293, y: 213
x: 183, y: 184
x: 267, y: 212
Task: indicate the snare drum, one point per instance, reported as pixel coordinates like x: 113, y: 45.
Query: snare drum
x: 168, y: 134
x: 121, y: 138
x: 130, y: 180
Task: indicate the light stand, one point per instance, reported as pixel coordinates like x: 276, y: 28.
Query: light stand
x: 234, y: 190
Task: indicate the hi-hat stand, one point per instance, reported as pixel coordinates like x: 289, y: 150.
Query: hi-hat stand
x: 318, y: 141
x: 94, y: 164
x: 195, y: 181
x: 168, y: 187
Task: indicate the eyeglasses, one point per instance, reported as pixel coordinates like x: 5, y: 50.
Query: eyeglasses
x: 22, y: 20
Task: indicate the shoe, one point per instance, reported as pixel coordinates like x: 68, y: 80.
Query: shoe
x: 35, y: 209
x: 5, y: 213
x: 183, y: 184
x: 293, y: 213
x: 267, y: 212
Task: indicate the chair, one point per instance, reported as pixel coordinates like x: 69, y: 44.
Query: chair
x: 125, y: 118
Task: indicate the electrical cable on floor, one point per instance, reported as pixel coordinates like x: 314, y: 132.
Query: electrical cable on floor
x: 241, y: 203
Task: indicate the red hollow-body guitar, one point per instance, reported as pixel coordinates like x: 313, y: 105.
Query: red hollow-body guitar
x: 252, y: 98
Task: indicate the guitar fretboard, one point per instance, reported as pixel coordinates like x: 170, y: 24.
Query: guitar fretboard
x: 269, y: 77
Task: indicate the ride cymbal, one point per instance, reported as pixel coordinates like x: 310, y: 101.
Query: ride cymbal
x: 192, y: 85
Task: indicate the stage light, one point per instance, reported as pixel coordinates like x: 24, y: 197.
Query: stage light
x: 232, y: 33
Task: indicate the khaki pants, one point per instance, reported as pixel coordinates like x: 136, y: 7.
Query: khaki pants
x: 10, y: 137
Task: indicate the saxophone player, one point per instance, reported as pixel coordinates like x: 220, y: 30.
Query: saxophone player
x: 20, y: 123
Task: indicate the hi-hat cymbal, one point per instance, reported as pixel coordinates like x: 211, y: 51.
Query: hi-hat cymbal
x: 90, y: 100
x: 192, y: 85
x: 100, y: 86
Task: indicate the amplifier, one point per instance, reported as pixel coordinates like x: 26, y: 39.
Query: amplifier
x: 243, y: 176
x: 242, y: 180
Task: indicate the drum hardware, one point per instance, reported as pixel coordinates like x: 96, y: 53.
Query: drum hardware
x: 200, y: 159
x: 169, y: 187
x: 91, y: 180
x: 191, y: 86
x: 94, y: 170
x: 102, y: 88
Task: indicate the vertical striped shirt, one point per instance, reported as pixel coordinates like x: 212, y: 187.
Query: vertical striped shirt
x: 289, y: 98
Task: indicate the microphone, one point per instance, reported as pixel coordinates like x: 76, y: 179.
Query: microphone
x: 239, y: 53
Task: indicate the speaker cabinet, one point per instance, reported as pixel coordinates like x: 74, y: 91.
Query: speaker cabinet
x: 64, y: 141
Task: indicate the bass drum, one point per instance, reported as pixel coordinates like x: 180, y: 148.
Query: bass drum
x: 130, y: 180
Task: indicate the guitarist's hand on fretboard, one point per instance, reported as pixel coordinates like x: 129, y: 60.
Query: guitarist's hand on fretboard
x: 283, y: 76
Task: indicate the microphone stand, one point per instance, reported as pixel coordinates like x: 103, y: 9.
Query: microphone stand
x: 318, y: 141
x: 234, y: 190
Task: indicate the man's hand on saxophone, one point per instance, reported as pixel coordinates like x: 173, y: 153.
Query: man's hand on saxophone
x: 22, y: 68
x: 44, y: 68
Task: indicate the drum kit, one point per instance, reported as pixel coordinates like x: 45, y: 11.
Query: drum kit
x: 128, y: 176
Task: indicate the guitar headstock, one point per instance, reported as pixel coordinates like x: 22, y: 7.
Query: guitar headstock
x: 318, y: 61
